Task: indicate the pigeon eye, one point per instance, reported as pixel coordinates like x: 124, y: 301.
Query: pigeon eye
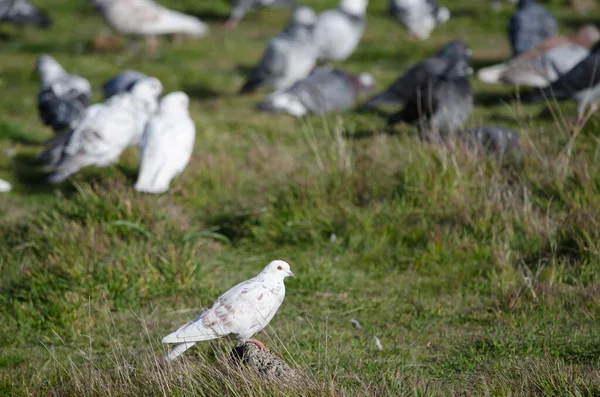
x: 279, y: 268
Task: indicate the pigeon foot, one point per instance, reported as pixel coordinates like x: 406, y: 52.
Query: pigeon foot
x: 258, y: 343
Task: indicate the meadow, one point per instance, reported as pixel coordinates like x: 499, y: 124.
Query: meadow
x: 479, y: 275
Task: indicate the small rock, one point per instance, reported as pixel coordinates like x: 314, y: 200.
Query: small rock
x: 265, y: 363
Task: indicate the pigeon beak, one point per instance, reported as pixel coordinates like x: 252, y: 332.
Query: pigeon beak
x: 291, y: 274
x: 469, y: 52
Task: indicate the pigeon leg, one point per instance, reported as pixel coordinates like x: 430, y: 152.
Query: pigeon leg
x: 230, y: 24
x: 151, y: 45
x: 258, y: 343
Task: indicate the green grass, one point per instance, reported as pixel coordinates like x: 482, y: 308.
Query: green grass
x: 479, y: 276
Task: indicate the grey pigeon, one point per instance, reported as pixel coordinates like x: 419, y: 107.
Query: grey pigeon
x: 530, y: 25
x: 289, y: 57
x: 21, y: 12
x: 493, y: 139
x: 338, y: 31
x: 105, y: 132
x: 441, y: 105
x: 324, y: 90
x: 582, y: 84
x: 63, y: 98
x: 241, y: 7
x: 414, y: 79
x: 122, y: 82
x: 420, y: 17
x: 546, y: 62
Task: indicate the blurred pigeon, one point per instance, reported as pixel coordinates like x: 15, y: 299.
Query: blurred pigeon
x: 122, y: 82
x: 148, y: 19
x: 530, y: 25
x: 63, y: 97
x: 21, y: 12
x: 543, y: 64
x: 4, y: 186
x: 491, y: 138
x: 324, y: 90
x: 338, y: 32
x: 106, y: 130
x: 442, y: 105
x: 289, y: 56
x: 166, y: 145
x: 238, y: 314
x: 422, y: 74
x: 241, y: 7
x: 420, y: 17
x: 582, y: 84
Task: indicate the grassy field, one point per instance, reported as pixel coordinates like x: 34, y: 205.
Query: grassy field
x: 478, y: 276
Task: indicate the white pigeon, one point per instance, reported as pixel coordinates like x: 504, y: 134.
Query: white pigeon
x: 4, y: 186
x: 105, y: 132
x: 146, y: 18
x: 338, y: 32
x: 289, y: 57
x: 63, y: 97
x: 239, y: 313
x: 166, y: 145
x: 419, y: 16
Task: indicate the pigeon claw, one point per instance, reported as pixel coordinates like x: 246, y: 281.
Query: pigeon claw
x: 258, y: 343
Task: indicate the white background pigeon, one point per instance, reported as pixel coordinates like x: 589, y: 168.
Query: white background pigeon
x: 63, y: 97
x: 107, y: 130
x: 239, y: 313
x: 146, y: 18
x: 420, y: 17
x: 167, y: 144
x: 338, y: 32
x: 290, y: 55
x: 4, y: 186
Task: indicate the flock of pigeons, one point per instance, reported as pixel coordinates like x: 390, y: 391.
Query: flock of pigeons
x: 435, y: 95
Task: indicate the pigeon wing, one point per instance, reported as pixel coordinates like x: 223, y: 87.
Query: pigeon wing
x: 216, y: 320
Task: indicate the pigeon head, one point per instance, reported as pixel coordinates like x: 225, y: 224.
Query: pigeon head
x: 354, y: 7
x: 48, y: 68
x: 304, y: 16
x: 175, y: 102
x: 586, y: 35
x: 365, y: 83
x: 523, y: 3
x: 147, y: 88
x: 456, y: 50
x: 278, y: 269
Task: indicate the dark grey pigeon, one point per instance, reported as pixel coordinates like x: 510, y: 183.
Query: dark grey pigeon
x: 21, y: 12
x: 422, y: 74
x: 241, y: 7
x: 63, y: 97
x: 324, y: 90
x: 122, y: 82
x: 582, y: 84
x: 493, y: 139
x: 440, y: 106
x: 530, y: 25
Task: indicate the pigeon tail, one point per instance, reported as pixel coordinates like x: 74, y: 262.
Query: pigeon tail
x: 178, y: 349
x: 251, y: 86
x: 492, y: 74
x: 380, y: 99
